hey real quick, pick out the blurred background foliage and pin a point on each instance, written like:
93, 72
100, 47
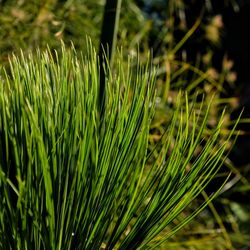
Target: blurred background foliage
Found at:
189, 41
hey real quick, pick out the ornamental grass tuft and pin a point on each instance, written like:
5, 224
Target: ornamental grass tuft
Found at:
71, 178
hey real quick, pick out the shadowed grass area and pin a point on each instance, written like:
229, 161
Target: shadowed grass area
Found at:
70, 179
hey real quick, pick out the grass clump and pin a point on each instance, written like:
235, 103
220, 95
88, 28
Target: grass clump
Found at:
71, 178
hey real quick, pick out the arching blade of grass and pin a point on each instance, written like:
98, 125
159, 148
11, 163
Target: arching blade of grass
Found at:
70, 180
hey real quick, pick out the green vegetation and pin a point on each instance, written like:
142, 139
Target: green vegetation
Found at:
129, 176
72, 180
